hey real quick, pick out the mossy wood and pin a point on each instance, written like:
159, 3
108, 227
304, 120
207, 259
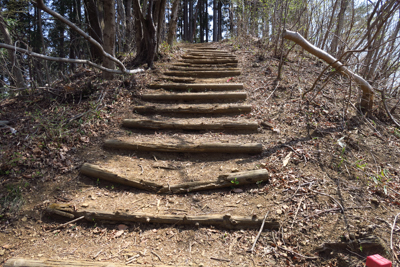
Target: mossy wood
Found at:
222, 181
195, 96
195, 109
252, 148
21, 262
226, 221
198, 87
202, 74
188, 125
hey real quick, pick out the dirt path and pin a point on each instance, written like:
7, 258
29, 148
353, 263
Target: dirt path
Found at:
190, 174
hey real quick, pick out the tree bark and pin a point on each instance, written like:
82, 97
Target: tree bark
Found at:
195, 109
95, 30
15, 70
173, 21
109, 37
215, 20
339, 27
367, 99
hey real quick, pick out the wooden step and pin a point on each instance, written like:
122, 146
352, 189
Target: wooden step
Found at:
178, 79
201, 50
202, 74
194, 87
207, 56
189, 125
197, 68
216, 66
239, 95
210, 61
252, 148
195, 109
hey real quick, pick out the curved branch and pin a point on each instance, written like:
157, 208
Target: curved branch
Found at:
68, 60
367, 99
43, 7
387, 109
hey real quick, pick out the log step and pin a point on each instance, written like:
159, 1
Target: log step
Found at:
226, 221
209, 61
21, 262
222, 181
207, 56
195, 109
189, 125
195, 96
216, 66
179, 79
195, 87
251, 148
197, 68
203, 74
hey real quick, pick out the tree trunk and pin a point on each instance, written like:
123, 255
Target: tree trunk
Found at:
147, 45
329, 25
129, 26
109, 37
15, 70
121, 29
339, 27
206, 20
215, 21
219, 37
172, 24
95, 30
185, 21
159, 18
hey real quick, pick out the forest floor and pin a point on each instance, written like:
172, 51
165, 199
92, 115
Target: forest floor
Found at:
334, 181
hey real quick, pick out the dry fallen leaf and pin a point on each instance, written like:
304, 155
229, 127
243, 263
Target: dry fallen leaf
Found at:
119, 233
287, 159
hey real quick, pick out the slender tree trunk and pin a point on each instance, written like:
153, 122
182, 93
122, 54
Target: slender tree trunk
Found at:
173, 21
95, 30
121, 26
219, 20
190, 39
15, 70
109, 36
129, 26
206, 20
185, 21
215, 21
159, 18
329, 25
339, 27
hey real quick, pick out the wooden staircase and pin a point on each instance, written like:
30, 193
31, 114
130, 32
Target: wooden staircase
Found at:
210, 104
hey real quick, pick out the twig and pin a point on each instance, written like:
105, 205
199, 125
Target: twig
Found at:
259, 233
297, 254
97, 254
141, 168
391, 232
156, 255
298, 154
277, 84
218, 259
64, 224
131, 259
334, 199
297, 211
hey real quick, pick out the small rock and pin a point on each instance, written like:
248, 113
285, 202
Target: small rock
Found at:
2, 252
119, 233
235, 170
122, 227
85, 205
40, 255
375, 201
279, 211
24, 219
237, 190
259, 206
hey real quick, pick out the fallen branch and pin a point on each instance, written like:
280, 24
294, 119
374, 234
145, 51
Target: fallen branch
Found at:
67, 60
226, 221
13, 262
298, 254
259, 233
367, 99
64, 224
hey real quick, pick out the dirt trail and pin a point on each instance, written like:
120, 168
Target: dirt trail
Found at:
198, 163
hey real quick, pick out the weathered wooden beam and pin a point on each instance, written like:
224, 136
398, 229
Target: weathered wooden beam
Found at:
210, 61
21, 262
251, 148
194, 87
97, 172
179, 79
207, 56
226, 221
216, 66
189, 125
195, 109
203, 74
202, 69
222, 181
195, 96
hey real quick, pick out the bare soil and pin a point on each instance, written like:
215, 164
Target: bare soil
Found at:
334, 187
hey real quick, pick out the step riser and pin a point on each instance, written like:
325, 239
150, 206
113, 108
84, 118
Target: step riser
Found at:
202, 74
195, 96
198, 87
194, 109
